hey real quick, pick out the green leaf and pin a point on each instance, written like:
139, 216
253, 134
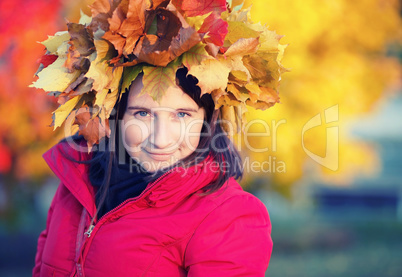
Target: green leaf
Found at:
195, 56
129, 75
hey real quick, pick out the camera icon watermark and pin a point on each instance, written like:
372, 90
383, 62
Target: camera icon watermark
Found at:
331, 158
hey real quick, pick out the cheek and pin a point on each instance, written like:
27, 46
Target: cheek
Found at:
193, 134
133, 131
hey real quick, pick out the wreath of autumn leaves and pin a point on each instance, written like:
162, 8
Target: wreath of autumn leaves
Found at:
87, 67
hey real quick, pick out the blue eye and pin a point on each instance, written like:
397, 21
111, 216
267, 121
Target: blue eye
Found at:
181, 114
141, 113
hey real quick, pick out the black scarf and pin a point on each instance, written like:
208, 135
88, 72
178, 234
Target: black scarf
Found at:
127, 180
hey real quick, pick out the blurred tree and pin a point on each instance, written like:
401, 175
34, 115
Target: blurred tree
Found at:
337, 54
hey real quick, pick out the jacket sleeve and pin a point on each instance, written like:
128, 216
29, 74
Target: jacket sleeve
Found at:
43, 236
233, 240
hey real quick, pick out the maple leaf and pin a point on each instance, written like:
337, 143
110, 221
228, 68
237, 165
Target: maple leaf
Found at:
239, 92
118, 16
92, 128
243, 47
211, 75
238, 30
81, 39
133, 27
81, 45
55, 77
101, 11
157, 80
54, 42
195, 56
129, 75
46, 60
200, 7
102, 74
64, 110
215, 28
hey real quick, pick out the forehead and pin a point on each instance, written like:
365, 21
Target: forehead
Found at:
174, 97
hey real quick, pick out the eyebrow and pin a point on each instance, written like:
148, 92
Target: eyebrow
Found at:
148, 109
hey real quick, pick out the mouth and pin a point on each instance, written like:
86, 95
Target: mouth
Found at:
160, 156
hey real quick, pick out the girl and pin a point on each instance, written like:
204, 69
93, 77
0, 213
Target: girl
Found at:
148, 186
174, 210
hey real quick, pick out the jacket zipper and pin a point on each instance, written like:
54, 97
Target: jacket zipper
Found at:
102, 219
89, 231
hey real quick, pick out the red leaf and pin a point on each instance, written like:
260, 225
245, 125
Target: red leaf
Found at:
200, 7
47, 60
215, 28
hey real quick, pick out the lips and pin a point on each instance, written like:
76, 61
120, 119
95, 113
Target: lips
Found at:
160, 156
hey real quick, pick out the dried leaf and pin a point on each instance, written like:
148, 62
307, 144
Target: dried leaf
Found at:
215, 28
118, 16
238, 30
157, 80
195, 56
81, 39
54, 42
46, 60
55, 77
240, 93
200, 7
104, 76
64, 110
91, 128
243, 47
129, 75
211, 75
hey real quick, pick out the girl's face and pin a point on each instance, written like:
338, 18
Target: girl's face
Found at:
159, 134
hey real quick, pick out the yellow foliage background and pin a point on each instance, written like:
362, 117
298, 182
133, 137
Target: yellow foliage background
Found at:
337, 54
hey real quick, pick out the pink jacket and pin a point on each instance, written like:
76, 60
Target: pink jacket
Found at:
169, 230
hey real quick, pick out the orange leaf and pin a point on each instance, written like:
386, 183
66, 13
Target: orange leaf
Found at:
91, 128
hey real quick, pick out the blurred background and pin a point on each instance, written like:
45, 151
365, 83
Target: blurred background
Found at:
329, 167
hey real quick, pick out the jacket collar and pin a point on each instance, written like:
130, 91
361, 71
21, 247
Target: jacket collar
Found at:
69, 166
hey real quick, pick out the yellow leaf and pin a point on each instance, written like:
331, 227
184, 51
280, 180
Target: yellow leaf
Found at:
196, 21
64, 110
238, 30
110, 101
85, 19
104, 76
158, 79
100, 97
211, 74
55, 77
237, 68
53, 42
241, 93
236, 3
242, 47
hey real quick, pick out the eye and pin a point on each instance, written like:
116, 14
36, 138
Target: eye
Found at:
141, 114
182, 114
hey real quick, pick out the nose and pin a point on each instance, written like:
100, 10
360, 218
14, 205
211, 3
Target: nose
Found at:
164, 134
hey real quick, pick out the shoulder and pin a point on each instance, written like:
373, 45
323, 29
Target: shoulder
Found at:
70, 148
232, 197
235, 235
68, 157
